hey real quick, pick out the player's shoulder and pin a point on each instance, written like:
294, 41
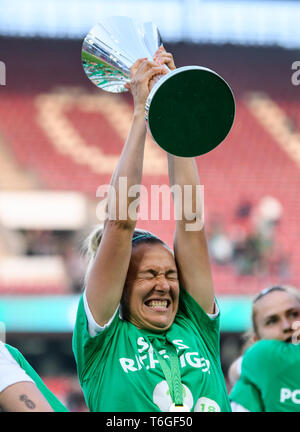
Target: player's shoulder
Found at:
4, 350
9, 352
268, 349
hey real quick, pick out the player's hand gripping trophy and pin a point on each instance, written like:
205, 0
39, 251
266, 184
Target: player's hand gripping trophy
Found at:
189, 110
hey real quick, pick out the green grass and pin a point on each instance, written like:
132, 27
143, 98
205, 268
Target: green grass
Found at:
90, 58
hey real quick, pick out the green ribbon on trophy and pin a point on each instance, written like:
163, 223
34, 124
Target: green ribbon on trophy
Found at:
189, 111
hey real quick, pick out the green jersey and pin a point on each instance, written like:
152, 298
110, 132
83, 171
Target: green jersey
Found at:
119, 370
15, 368
245, 397
270, 377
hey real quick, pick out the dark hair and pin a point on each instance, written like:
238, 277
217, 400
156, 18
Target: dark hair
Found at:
141, 236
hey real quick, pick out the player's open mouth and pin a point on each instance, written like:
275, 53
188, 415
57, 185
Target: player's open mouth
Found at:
289, 339
158, 305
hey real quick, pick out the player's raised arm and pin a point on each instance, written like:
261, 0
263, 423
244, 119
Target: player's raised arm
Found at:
190, 245
107, 276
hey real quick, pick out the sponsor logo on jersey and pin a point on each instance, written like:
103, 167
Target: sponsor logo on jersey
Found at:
146, 358
287, 394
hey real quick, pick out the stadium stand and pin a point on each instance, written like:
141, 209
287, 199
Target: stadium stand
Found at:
67, 135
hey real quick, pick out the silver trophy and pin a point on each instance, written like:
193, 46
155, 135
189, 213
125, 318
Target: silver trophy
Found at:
189, 111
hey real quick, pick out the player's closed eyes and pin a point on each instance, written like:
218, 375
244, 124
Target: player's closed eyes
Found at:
172, 275
151, 274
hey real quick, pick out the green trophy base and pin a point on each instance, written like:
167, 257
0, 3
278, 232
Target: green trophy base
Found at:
190, 111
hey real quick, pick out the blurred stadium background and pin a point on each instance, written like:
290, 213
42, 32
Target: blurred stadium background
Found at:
60, 138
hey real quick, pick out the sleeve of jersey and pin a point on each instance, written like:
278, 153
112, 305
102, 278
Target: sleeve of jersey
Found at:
10, 371
207, 325
245, 396
90, 341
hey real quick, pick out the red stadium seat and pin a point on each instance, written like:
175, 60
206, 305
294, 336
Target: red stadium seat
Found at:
248, 164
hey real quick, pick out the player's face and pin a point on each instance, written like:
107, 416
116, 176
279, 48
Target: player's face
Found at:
152, 289
277, 316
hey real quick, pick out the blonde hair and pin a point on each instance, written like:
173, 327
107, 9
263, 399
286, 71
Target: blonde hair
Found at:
92, 242
90, 247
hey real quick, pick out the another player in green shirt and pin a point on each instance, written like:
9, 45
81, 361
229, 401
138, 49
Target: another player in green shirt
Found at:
271, 370
147, 332
276, 316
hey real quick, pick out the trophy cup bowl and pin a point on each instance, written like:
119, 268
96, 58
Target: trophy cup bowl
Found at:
189, 110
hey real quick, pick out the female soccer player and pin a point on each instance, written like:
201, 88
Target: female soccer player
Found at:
21, 389
268, 366
147, 331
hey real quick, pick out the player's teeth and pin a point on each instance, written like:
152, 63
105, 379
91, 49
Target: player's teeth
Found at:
157, 303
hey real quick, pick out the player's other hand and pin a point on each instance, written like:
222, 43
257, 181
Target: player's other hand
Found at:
141, 74
163, 57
